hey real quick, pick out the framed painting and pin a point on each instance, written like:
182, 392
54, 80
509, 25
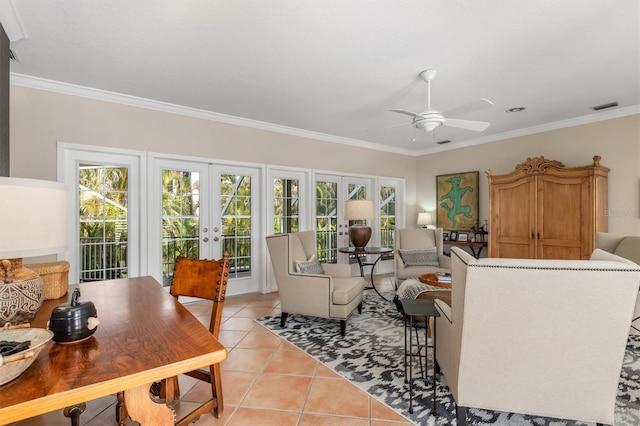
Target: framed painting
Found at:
457, 201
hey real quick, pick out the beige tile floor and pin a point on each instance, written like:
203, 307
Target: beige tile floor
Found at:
266, 380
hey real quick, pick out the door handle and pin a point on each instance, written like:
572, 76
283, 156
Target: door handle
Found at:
205, 239
215, 239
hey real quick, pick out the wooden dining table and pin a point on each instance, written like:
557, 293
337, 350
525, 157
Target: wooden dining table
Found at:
144, 335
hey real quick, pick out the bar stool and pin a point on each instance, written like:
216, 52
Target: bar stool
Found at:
413, 308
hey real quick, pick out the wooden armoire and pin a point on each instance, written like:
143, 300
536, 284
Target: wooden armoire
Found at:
544, 210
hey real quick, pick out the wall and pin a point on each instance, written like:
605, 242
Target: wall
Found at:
39, 119
617, 141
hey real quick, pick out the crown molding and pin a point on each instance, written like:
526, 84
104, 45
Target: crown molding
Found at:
571, 122
87, 92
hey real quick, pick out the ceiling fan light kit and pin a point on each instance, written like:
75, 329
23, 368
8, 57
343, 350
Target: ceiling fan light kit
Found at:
431, 119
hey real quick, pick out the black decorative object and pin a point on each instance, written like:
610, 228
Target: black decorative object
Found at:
73, 321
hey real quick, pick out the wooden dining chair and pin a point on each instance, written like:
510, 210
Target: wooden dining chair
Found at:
204, 279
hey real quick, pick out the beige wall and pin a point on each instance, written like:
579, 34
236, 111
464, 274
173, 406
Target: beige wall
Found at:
39, 119
617, 141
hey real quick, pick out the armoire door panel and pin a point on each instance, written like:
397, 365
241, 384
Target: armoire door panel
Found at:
515, 204
561, 206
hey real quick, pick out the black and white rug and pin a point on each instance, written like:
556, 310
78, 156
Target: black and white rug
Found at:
371, 357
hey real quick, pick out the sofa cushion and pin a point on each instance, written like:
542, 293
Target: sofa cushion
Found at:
420, 257
311, 266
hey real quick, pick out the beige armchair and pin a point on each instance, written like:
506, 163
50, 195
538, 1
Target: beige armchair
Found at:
629, 248
329, 293
539, 337
419, 239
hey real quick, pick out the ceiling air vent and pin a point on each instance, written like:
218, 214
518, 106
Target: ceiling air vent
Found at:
605, 106
12, 56
443, 142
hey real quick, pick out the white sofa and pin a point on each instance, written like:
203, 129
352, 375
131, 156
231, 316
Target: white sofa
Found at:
540, 337
627, 246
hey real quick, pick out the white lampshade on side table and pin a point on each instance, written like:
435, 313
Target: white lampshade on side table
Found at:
359, 210
425, 219
33, 222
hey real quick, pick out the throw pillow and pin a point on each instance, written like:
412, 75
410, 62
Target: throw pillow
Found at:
311, 266
420, 257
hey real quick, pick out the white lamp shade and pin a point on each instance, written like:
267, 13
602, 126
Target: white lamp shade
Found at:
33, 217
359, 210
425, 218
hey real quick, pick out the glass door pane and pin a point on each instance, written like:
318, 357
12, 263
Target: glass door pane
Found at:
332, 230
235, 214
327, 238
103, 193
286, 205
387, 216
236, 226
180, 218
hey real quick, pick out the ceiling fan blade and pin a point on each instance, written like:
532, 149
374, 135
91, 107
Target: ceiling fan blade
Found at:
405, 112
477, 126
397, 125
470, 107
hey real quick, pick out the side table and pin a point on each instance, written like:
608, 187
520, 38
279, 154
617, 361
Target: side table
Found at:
475, 246
381, 251
426, 309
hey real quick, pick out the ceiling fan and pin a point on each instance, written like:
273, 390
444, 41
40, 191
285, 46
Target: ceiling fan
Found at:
430, 119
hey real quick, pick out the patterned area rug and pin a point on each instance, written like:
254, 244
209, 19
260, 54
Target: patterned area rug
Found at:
370, 356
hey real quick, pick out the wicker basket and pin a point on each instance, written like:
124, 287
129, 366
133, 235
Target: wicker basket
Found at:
55, 276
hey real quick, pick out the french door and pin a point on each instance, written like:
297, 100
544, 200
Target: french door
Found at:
203, 210
332, 230
104, 212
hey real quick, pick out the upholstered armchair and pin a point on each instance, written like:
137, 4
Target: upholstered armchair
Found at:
627, 246
309, 288
419, 251
540, 337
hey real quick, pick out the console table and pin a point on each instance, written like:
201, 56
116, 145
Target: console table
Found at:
381, 251
475, 247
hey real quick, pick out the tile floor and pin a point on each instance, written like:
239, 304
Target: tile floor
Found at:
266, 380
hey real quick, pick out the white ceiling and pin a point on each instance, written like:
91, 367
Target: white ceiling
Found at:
332, 69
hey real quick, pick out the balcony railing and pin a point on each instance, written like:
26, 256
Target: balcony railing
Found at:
102, 259
106, 259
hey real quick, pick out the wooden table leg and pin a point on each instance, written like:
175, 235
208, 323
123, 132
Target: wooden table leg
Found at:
74, 412
141, 408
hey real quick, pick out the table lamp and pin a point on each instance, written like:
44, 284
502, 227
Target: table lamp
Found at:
359, 210
33, 222
425, 219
